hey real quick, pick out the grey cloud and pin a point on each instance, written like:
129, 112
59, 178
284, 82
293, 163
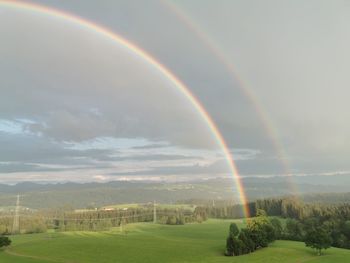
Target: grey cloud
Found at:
151, 146
301, 79
184, 53
87, 72
19, 167
32, 149
30, 153
63, 125
155, 157
217, 167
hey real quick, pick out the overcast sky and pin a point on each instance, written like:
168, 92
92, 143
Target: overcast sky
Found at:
77, 106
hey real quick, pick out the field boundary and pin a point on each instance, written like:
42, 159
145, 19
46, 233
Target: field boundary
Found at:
13, 253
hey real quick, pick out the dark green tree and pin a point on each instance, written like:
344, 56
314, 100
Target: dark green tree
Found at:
4, 241
318, 239
249, 245
277, 226
234, 246
229, 246
293, 230
234, 231
346, 228
238, 247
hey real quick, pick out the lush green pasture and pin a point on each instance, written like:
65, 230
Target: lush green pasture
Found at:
146, 242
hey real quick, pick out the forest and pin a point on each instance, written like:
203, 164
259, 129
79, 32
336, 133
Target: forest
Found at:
94, 220
303, 221
331, 220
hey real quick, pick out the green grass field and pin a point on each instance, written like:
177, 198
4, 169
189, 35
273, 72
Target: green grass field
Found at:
146, 242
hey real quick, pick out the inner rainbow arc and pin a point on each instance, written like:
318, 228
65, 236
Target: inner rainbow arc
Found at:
156, 65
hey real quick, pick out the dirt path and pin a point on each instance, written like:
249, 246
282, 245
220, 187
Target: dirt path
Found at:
12, 253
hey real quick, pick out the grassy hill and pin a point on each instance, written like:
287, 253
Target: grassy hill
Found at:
146, 242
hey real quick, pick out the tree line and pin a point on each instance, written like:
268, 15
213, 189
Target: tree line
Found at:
262, 230
330, 222
318, 225
96, 220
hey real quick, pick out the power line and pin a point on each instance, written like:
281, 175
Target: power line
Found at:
15, 227
154, 212
64, 217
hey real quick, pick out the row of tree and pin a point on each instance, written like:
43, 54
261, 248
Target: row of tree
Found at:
261, 231
332, 232
318, 225
97, 220
289, 207
225, 211
295, 208
330, 222
28, 224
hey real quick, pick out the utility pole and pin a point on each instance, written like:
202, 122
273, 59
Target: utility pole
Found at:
154, 212
15, 227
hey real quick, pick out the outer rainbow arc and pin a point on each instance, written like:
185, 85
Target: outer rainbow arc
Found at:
209, 43
258, 108
157, 65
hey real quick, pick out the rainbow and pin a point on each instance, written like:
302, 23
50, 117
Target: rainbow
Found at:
262, 114
176, 82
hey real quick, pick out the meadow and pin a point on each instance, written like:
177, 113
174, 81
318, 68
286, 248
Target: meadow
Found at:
147, 242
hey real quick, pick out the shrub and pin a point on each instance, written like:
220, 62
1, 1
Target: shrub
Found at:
4, 241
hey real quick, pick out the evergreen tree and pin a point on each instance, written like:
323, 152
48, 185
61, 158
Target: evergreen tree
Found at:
234, 231
4, 241
229, 246
248, 244
277, 226
293, 230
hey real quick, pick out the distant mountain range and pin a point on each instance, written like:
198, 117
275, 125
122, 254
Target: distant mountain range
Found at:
81, 195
